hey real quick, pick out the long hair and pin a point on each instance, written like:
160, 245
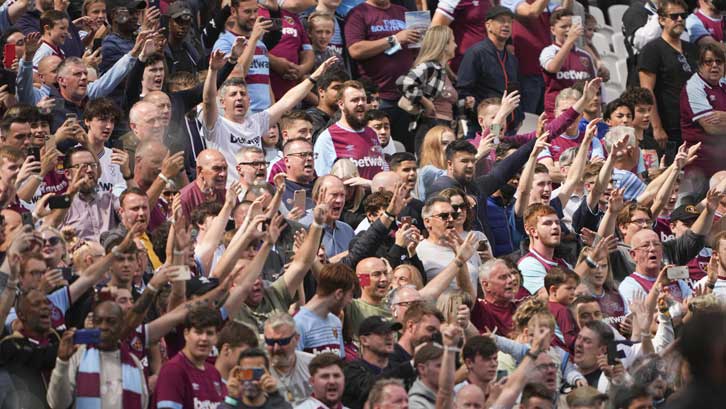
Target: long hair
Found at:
434, 44
432, 153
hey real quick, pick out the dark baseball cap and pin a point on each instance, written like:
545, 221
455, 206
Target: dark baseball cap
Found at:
685, 213
378, 325
130, 5
179, 9
497, 11
200, 285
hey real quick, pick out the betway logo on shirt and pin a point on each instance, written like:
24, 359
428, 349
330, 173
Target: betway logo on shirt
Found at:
258, 63
572, 75
289, 31
389, 25
204, 404
368, 161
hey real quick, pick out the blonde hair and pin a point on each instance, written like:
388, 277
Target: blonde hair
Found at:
434, 44
432, 152
319, 15
609, 280
414, 275
345, 169
448, 303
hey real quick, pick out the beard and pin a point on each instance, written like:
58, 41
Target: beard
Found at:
353, 120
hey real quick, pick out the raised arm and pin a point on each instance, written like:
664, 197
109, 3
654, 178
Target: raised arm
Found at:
558, 60
210, 111
452, 335
702, 225
240, 241
606, 173
304, 257
262, 26
524, 187
574, 175
136, 314
298, 92
213, 236
531, 10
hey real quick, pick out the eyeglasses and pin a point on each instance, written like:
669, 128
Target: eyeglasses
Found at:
642, 222
302, 155
91, 165
646, 246
446, 215
280, 341
261, 164
51, 241
710, 62
676, 16
544, 367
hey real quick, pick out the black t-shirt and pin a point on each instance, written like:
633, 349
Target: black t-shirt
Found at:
593, 378
672, 70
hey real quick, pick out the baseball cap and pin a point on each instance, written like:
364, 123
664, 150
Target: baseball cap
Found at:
378, 325
685, 213
585, 396
497, 11
179, 9
133, 4
200, 285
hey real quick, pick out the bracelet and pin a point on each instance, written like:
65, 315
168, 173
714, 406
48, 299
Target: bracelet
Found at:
231, 61
533, 355
36, 177
648, 335
711, 285
165, 179
179, 252
313, 80
318, 225
458, 262
389, 215
230, 401
452, 349
590, 262
151, 288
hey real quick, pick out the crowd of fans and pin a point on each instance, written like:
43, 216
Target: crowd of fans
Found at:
327, 204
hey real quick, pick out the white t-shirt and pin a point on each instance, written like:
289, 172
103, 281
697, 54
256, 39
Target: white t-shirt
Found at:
295, 386
111, 180
435, 258
228, 137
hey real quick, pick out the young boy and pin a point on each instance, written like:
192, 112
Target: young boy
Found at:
642, 102
54, 31
618, 112
381, 124
560, 285
321, 27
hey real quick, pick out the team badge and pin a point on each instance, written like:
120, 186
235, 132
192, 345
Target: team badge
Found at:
335, 332
289, 20
585, 61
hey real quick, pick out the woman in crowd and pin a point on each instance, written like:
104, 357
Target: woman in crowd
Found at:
432, 160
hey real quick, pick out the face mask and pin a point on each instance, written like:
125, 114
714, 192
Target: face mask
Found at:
507, 192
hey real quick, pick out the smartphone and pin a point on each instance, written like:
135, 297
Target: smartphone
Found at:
496, 130
677, 273
364, 280
298, 199
87, 336
265, 225
71, 116
59, 202
184, 274
406, 220
34, 152
253, 374
276, 24
8, 55
576, 21
501, 373
67, 272
97, 43
27, 219
612, 353
117, 143
483, 246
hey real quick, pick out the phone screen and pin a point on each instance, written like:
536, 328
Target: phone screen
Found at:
8, 55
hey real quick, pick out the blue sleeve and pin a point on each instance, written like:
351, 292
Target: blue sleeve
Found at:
695, 28
512, 4
25, 92
108, 82
513, 348
533, 273
5, 23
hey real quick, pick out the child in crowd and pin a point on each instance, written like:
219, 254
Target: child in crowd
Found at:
560, 285
381, 124
320, 30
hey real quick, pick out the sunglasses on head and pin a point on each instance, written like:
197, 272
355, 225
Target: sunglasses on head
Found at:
51, 241
279, 341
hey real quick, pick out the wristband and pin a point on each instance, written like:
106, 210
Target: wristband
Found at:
533, 355
389, 215
711, 285
311, 79
36, 177
151, 288
458, 262
230, 401
179, 252
167, 180
452, 349
590, 262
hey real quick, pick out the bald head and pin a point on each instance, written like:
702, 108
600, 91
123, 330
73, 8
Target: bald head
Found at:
150, 149
643, 236
47, 67
370, 264
211, 170
470, 397
162, 103
385, 181
147, 121
209, 156
140, 110
406, 294
717, 178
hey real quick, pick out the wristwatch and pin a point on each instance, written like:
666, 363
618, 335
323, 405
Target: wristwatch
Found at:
391, 41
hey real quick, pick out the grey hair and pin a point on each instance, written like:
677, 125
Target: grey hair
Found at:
617, 133
245, 150
138, 106
280, 318
65, 65
486, 269
376, 394
567, 94
232, 82
568, 156
428, 207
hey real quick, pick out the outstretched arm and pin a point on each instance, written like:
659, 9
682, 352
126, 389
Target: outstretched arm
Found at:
297, 93
209, 99
574, 175
524, 187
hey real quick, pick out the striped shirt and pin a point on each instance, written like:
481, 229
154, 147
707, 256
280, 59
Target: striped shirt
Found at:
258, 76
319, 335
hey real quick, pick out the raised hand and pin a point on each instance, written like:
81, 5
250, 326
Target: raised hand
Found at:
32, 43
172, 165
541, 124
616, 201
151, 19
233, 192
321, 214
541, 143
467, 247
591, 88
451, 334
398, 200
591, 129
217, 60
66, 347
510, 102
277, 224
324, 67
713, 198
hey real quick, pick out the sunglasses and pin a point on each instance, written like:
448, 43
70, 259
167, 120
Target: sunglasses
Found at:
52, 241
676, 16
280, 341
459, 207
446, 215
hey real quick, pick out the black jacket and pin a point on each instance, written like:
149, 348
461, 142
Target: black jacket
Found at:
29, 366
360, 377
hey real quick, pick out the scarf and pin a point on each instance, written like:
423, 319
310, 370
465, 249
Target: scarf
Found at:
88, 380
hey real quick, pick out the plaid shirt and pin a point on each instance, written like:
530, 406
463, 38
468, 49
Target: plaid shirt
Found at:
424, 80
